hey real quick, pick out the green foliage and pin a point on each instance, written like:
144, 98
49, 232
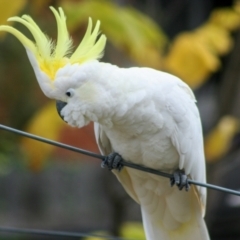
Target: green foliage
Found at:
125, 27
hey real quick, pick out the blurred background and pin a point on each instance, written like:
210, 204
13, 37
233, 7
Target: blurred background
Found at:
45, 187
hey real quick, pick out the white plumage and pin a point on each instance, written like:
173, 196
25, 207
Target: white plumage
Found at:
150, 118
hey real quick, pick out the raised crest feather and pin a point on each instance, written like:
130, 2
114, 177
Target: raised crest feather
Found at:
50, 55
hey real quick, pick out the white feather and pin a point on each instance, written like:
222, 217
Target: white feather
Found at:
149, 118
161, 130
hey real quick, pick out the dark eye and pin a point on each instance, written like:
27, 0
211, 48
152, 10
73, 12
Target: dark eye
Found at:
70, 92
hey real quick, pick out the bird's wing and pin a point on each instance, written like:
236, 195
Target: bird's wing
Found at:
186, 135
105, 147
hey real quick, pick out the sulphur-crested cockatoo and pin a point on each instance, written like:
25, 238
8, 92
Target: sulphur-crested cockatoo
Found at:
146, 116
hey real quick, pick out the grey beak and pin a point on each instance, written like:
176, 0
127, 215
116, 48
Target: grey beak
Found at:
60, 105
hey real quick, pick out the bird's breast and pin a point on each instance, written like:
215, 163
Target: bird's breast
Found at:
151, 150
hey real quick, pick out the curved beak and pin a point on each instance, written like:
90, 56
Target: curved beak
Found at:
60, 105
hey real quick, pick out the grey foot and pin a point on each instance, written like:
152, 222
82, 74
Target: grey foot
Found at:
180, 179
112, 161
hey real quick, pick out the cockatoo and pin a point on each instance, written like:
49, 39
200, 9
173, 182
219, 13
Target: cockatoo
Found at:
147, 117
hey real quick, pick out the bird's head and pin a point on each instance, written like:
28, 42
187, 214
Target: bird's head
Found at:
60, 71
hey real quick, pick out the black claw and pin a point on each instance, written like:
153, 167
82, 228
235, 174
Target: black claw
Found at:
112, 161
180, 179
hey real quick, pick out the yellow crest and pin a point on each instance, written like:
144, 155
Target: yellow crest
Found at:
52, 56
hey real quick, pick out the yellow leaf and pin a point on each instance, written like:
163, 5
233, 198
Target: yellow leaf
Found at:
9, 9
218, 141
194, 56
216, 38
226, 18
101, 235
46, 123
132, 230
128, 230
190, 60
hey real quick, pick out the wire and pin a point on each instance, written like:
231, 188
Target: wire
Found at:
124, 163
64, 234
54, 143
163, 174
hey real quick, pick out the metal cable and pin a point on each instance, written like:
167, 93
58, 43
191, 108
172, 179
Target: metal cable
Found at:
124, 163
62, 234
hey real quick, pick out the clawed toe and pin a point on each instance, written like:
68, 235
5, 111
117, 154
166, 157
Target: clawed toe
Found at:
112, 161
180, 179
